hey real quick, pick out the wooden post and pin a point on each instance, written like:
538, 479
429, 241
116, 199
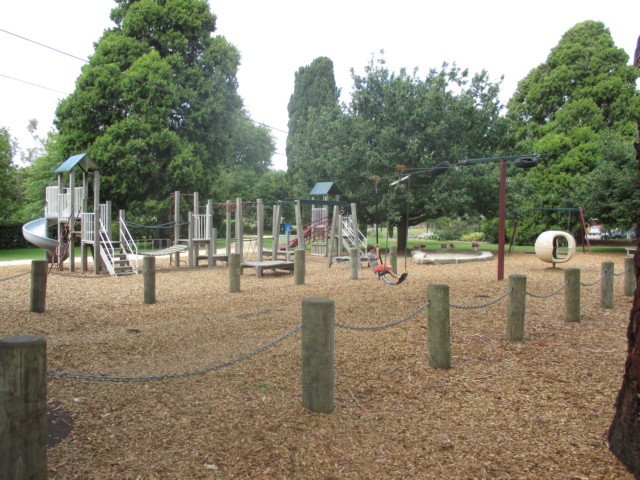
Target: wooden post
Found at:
275, 232
23, 407
211, 232
38, 291
176, 227
96, 222
606, 286
516, 308
333, 233
228, 231
235, 268
438, 326
393, 254
299, 267
239, 232
149, 279
191, 245
354, 263
572, 295
299, 226
317, 354
356, 236
629, 277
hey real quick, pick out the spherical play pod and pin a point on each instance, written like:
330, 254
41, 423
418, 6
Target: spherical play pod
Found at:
554, 246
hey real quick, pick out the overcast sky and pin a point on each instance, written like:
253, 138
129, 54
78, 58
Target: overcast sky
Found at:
505, 37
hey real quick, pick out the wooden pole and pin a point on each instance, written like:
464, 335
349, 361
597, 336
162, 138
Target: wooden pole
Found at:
228, 232
629, 277
212, 233
438, 326
606, 286
275, 232
317, 354
176, 227
149, 279
23, 407
96, 222
353, 263
572, 295
191, 245
38, 291
299, 268
235, 269
393, 255
299, 226
333, 232
516, 308
502, 207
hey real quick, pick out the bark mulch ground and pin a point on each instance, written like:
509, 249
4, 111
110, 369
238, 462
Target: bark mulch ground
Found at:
533, 409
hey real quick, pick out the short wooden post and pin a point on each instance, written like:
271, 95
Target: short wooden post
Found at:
298, 266
606, 286
353, 263
438, 326
190, 242
572, 295
23, 407
235, 268
38, 289
317, 354
629, 277
516, 308
149, 279
393, 253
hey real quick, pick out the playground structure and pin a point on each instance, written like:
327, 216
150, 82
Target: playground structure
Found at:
67, 208
548, 247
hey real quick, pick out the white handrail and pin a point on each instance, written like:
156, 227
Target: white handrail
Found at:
107, 252
201, 229
129, 244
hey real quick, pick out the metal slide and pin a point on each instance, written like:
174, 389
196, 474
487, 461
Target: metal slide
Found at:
35, 232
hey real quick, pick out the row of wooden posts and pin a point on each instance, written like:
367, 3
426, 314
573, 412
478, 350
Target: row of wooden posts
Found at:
23, 360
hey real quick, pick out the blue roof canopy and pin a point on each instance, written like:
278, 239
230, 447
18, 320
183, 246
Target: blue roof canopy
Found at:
81, 160
324, 188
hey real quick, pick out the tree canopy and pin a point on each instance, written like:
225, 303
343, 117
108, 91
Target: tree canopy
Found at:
157, 106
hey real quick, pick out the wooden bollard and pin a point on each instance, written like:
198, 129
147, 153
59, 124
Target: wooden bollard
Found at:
393, 254
516, 308
629, 277
38, 291
606, 286
23, 407
353, 263
149, 279
572, 295
317, 354
438, 326
235, 269
299, 266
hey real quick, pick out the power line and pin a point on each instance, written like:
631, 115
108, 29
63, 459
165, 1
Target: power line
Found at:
119, 72
43, 45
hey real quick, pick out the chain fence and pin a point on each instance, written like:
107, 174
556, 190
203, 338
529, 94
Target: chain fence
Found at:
17, 275
172, 376
484, 305
384, 326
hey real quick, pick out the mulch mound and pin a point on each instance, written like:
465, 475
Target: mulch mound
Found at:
533, 409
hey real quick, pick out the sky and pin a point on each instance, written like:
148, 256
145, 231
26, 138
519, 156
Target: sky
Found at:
507, 38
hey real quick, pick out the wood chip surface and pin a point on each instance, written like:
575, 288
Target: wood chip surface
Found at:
533, 409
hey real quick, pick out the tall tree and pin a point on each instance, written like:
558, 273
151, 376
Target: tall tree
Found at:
157, 105
575, 107
314, 94
8, 177
419, 123
624, 432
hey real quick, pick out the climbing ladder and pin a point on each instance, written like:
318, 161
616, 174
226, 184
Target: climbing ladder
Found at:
354, 237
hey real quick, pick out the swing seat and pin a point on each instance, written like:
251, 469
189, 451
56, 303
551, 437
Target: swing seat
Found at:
388, 281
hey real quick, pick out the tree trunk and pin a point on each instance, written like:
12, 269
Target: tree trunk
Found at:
624, 432
403, 233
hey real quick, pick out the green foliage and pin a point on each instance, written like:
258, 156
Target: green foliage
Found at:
581, 108
157, 106
9, 188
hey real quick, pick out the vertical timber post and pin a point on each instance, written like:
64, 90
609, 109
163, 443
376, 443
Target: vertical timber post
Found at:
38, 290
149, 279
516, 308
606, 287
235, 269
572, 295
353, 263
23, 407
438, 326
629, 277
317, 354
299, 268
393, 251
